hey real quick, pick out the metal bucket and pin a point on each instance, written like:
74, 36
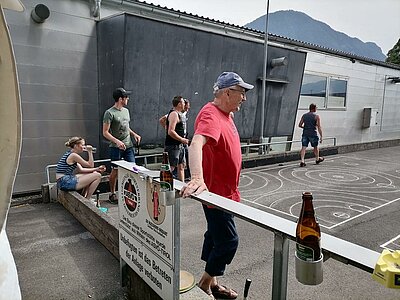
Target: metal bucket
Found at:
309, 272
167, 198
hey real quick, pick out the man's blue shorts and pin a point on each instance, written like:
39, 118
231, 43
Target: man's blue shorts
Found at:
67, 183
305, 140
117, 154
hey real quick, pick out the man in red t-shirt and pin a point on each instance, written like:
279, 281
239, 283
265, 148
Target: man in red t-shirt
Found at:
215, 164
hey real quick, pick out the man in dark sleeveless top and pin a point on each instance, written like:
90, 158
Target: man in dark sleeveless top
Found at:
310, 122
175, 137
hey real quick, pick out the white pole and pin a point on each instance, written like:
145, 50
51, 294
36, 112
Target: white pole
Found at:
264, 78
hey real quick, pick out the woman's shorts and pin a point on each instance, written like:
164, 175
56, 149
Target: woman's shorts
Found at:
67, 183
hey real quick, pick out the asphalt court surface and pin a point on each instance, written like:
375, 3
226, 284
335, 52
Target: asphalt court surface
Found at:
347, 189
58, 259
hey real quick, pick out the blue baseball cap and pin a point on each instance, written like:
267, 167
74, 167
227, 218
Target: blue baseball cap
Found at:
228, 79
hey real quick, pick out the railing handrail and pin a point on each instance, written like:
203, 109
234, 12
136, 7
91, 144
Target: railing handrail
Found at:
284, 230
48, 167
145, 157
336, 248
284, 142
265, 149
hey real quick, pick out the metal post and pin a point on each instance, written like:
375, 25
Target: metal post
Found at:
383, 101
177, 246
280, 268
264, 78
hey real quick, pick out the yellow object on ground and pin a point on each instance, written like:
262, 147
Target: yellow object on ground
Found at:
187, 281
387, 269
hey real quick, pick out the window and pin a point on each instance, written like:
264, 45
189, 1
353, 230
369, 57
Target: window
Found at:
337, 93
313, 90
324, 91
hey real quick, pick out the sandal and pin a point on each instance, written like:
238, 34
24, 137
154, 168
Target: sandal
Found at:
208, 292
113, 199
320, 160
222, 292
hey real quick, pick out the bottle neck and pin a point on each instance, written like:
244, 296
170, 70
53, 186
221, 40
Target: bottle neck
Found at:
165, 160
307, 207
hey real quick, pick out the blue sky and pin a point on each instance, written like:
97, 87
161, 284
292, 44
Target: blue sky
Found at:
368, 20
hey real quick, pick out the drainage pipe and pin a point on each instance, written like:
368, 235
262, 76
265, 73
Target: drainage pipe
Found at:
96, 10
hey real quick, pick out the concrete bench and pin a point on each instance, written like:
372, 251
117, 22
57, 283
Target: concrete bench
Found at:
50, 191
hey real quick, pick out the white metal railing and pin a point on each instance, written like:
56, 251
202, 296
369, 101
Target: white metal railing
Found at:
264, 149
285, 230
144, 157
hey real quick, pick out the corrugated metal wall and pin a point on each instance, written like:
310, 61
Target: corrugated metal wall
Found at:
57, 67
160, 60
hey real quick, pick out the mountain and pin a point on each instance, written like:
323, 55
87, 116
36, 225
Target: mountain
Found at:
299, 26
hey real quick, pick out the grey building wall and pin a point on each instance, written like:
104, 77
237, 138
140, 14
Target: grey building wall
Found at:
57, 69
158, 60
57, 64
282, 94
367, 87
58, 73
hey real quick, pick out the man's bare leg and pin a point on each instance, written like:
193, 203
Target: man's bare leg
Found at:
316, 153
303, 153
181, 172
206, 282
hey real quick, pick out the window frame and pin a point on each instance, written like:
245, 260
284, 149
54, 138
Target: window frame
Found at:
323, 102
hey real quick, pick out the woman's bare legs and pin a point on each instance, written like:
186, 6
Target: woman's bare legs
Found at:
88, 182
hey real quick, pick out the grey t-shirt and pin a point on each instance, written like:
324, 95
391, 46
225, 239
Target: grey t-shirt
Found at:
119, 125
